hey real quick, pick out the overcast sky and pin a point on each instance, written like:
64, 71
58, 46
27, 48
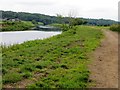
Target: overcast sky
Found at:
107, 9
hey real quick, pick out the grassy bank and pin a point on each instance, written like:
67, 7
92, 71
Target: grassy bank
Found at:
57, 62
16, 25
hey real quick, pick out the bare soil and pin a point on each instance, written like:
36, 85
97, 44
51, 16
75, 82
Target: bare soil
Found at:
104, 67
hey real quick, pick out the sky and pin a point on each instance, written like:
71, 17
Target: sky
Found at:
107, 9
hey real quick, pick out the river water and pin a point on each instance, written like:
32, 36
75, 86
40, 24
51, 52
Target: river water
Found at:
17, 37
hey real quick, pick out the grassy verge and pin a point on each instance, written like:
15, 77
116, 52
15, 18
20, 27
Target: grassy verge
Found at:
16, 25
57, 62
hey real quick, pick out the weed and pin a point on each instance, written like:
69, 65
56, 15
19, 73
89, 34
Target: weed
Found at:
60, 60
11, 78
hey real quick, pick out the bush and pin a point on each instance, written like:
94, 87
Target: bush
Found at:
115, 27
76, 21
65, 27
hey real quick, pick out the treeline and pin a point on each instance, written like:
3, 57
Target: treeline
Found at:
16, 25
46, 19
100, 22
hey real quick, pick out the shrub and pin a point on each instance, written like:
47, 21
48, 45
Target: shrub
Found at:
115, 27
65, 27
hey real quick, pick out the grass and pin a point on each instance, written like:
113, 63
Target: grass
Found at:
56, 25
57, 62
16, 25
12, 77
40, 23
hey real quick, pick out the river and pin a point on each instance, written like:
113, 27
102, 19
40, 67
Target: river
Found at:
17, 37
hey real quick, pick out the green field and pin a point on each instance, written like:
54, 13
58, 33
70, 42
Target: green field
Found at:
16, 25
57, 62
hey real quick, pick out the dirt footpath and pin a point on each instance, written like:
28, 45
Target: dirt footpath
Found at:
104, 67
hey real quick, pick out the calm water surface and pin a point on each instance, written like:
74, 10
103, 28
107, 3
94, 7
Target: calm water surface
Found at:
17, 37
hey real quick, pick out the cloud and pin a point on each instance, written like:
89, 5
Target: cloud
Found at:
41, 3
84, 8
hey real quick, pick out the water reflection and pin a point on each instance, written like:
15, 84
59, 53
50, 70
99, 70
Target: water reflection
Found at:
17, 37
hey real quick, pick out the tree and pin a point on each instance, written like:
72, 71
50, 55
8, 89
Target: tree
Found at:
60, 17
64, 27
73, 21
34, 22
76, 21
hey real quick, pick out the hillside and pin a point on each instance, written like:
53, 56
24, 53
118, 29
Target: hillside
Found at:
46, 19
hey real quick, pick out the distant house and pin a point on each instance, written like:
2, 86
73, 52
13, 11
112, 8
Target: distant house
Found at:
13, 20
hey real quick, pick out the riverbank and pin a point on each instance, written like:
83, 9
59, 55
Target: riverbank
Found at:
57, 62
16, 25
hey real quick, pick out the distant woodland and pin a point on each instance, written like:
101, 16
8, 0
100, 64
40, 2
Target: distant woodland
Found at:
46, 19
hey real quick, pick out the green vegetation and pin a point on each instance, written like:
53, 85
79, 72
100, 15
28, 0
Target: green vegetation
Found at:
100, 22
16, 25
63, 27
36, 23
115, 27
46, 19
11, 77
72, 23
56, 25
40, 23
60, 61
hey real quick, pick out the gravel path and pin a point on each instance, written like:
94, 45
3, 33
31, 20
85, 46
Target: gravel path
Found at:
104, 67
